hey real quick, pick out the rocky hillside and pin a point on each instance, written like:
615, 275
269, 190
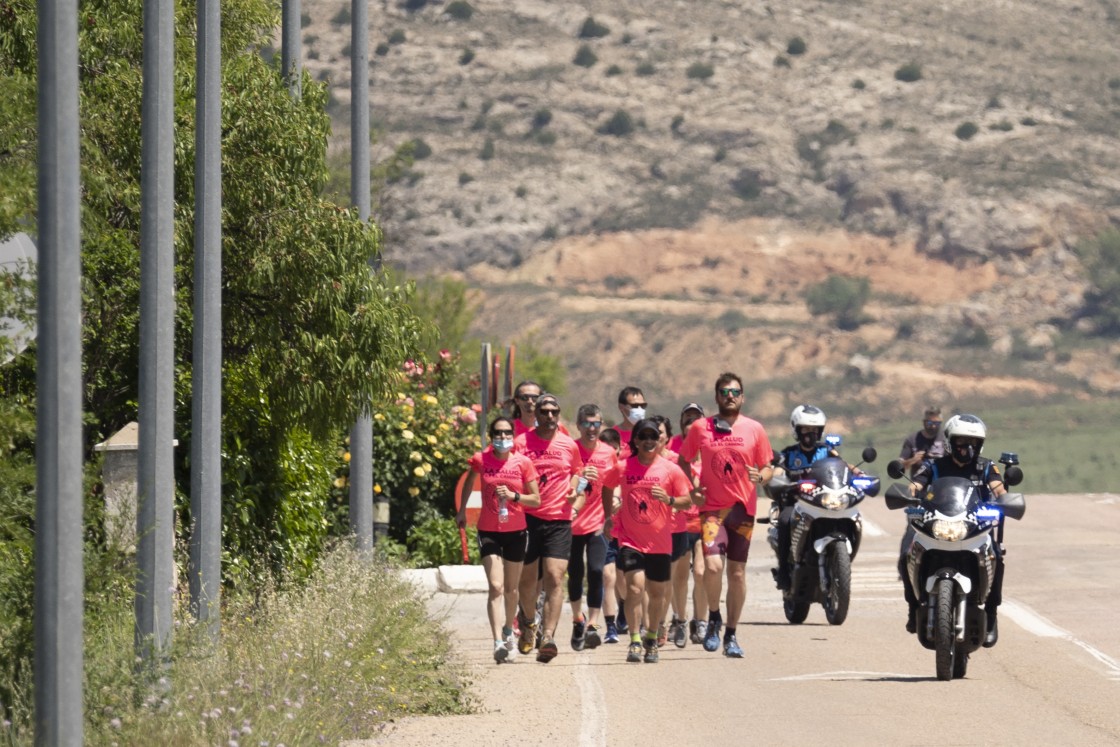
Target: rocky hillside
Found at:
651, 190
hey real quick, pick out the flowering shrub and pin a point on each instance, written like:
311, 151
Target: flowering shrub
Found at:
422, 439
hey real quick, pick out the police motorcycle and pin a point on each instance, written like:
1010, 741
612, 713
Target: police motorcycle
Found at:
951, 562
825, 532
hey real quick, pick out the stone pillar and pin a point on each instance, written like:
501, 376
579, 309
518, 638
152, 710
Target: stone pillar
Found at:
119, 476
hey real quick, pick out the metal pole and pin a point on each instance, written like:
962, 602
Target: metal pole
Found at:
291, 45
157, 328
206, 382
58, 508
361, 435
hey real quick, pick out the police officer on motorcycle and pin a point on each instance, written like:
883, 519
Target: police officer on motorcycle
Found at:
965, 435
808, 424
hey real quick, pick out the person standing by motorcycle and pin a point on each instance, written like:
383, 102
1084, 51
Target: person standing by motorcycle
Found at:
928, 442
808, 423
965, 436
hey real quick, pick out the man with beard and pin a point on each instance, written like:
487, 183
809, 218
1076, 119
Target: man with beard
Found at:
556, 458
928, 443
733, 449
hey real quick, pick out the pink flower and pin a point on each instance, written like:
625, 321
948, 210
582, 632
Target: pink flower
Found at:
476, 407
469, 416
445, 354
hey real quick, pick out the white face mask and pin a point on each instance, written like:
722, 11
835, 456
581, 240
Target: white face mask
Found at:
636, 414
503, 444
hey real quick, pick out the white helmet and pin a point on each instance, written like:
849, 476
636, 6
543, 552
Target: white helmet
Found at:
968, 426
807, 415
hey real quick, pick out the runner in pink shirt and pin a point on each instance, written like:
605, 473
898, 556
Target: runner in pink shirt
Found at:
558, 463
598, 482
698, 625
611, 600
733, 449
632, 404
508, 483
652, 487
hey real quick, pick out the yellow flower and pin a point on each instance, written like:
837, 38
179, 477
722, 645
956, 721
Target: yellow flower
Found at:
377, 488
426, 467
432, 440
444, 427
419, 472
402, 425
407, 435
378, 416
346, 457
400, 395
429, 400
340, 482
415, 456
437, 454
414, 491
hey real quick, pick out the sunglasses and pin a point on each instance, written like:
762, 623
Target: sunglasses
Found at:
528, 397
591, 424
549, 413
730, 391
647, 436
932, 423
503, 433
643, 405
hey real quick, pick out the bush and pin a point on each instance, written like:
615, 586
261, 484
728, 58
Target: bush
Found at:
645, 69
380, 50
465, 178
1004, 125
467, 56
858, 84
584, 56
592, 29
966, 130
700, 71
420, 149
1114, 83
613, 70
487, 151
1101, 258
541, 118
546, 137
675, 125
781, 61
909, 72
748, 184
620, 125
460, 10
796, 46
397, 36
840, 296
436, 542
342, 17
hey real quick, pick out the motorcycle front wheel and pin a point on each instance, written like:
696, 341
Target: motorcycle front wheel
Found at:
796, 612
944, 631
837, 596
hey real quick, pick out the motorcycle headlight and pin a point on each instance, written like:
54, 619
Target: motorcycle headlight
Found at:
949, 530
835, 500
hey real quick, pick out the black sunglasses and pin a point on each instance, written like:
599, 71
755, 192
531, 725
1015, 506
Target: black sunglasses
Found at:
528, 397
647, 436
550, 413
638, 404
730, 391
503, 433
591, 424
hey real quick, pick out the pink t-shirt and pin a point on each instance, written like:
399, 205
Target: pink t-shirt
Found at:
625, 430
692, 513
556, 460
592, 516
513, 472
725, 459
645, 523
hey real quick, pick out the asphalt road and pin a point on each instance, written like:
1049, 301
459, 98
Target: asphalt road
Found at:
1053, 678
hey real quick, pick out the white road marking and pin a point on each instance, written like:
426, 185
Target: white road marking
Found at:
1036, 624
593, 705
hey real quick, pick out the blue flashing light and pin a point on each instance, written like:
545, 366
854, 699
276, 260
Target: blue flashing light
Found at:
863, 483
987, 513
832, 439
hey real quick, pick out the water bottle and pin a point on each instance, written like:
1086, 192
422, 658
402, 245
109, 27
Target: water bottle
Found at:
503, 511
583, 485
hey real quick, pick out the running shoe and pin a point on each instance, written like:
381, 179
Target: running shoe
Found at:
731, 648
547, 651
527, 640
711, 637
634, 653
579, 632
592, 639
677, 633
612, 633
699, 631
511, 646
620, 622
662, 635
652, 655
500, 652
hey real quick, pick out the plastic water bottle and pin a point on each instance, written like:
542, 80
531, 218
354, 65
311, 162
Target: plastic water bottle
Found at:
583, 485
503, 511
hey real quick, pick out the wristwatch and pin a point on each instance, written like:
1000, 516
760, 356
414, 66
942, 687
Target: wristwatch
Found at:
516, 498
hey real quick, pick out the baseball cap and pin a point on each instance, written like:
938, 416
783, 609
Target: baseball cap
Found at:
692, 406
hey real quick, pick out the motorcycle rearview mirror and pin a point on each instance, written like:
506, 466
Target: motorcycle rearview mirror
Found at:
897, 496
1013, 505
895, 469
870, 454
1013, 476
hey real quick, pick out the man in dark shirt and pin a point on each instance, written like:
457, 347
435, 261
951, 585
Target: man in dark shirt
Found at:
926, 443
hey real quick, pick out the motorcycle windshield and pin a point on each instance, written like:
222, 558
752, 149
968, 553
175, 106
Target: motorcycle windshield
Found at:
830, 473
950, 496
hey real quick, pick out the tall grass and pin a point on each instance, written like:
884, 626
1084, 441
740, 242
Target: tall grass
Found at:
334, 658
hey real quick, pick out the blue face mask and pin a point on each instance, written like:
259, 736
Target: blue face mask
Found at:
503, 444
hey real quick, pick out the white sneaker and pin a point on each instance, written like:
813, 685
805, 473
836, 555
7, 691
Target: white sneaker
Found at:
511, 647
501, 653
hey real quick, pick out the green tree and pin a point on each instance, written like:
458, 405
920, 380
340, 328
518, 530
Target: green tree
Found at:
545, 369
1101, 258
840, 296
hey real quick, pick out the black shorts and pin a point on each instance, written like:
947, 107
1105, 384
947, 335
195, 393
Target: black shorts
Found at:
509, 545
683, 543
612, 552
658, 567
548, 539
